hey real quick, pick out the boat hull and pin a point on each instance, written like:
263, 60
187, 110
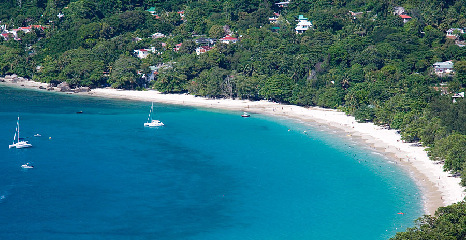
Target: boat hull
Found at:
154, 123
19, 145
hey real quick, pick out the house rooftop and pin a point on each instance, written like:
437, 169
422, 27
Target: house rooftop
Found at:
228, 38
405, 16
301, 17
447, 64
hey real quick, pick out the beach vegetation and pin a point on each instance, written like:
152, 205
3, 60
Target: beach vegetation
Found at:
447, 223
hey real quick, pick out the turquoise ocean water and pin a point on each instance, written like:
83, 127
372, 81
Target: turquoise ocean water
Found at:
204, 175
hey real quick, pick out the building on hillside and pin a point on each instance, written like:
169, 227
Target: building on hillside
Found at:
443, 69
283, 4
37, 27
6, 36
25, 29
152, 11
141, 53
205, 41
177, 47
303, 24
274, 19
158, 35
181, 13
405, 18
398, 11
202, 49
228, 39
355, 14
453, 33
457, 96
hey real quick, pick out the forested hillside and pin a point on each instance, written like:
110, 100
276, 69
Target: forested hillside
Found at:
373, 59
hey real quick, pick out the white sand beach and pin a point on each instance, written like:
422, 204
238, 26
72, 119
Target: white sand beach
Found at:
439, 187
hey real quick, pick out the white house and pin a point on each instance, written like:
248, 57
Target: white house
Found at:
303, 24
457, 96
453, 33
283, 4
443, 68
228, 39
158, 35
141, 53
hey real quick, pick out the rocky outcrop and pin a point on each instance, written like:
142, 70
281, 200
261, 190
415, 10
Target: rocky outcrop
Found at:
82, 89
64, 87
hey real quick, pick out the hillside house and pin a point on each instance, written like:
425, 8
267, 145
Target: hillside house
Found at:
152, 11
228, 39
398, 11
453, 33
355, 14
443, 69
202, 49
6, 36
177, 47
405, 18
283, 4
274, 19
181, 13
141, 53
303, 25
457, 96
205, 41
158, 35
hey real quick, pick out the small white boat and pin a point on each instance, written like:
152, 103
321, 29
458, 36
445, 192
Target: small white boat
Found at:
37, 135
151, 122
27, 165
17, 142
245, 114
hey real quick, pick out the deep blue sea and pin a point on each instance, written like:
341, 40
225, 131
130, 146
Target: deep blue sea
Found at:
206, 174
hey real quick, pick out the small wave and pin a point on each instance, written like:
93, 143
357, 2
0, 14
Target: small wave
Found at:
377, 153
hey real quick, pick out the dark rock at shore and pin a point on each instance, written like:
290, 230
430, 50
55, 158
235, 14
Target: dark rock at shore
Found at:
64, 87
81, 89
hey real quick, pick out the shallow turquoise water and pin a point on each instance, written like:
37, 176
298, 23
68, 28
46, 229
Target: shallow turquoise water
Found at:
205, 175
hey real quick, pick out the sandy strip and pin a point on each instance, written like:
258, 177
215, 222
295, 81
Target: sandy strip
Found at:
438, 187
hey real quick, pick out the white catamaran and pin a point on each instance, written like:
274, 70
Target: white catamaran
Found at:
150, 122
17, 142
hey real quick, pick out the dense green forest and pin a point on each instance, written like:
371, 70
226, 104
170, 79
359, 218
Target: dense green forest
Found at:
359, 57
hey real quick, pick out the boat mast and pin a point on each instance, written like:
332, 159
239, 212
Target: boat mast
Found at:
17, 127
151, 111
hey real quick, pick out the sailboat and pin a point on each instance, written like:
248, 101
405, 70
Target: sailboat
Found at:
150, 122
17, 142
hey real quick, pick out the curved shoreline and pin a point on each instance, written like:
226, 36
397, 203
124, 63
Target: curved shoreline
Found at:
438, 187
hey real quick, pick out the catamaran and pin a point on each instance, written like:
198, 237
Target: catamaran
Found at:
150, 122
27, 165
17, 142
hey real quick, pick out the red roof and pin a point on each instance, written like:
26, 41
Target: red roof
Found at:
143, 50
37, 26
228, 38
405, 16
178, 45
23, 28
